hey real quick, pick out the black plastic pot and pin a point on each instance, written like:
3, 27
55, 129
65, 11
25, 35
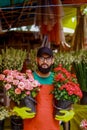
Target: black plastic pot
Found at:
16, 123
30, 102
61, 104
83, 101
2, 124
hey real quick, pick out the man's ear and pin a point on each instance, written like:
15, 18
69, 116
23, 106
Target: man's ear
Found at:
52, 60
36, 60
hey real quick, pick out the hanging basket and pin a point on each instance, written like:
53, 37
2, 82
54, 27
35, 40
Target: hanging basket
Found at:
61, 104
16, 123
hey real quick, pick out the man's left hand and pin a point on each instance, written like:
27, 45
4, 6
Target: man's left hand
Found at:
68, 115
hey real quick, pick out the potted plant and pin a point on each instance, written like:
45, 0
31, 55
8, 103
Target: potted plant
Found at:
19, 85
4, 113
66, 89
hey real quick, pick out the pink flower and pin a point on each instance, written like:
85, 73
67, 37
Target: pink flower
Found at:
35, 83
8, 86
17, 91
28, 87
15, 82
83, 124
18, 84
21, 85
7, 71
28, 93
2, 76
9, 78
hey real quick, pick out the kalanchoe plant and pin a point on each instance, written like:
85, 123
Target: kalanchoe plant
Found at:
66, 86
19, 85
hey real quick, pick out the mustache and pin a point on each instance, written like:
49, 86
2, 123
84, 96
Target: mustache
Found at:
44, 64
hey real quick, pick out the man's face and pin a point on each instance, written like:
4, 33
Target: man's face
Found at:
45, 63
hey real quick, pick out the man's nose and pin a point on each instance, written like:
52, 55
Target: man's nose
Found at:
45, 60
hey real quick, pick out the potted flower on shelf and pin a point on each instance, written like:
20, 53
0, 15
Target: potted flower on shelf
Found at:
66, 89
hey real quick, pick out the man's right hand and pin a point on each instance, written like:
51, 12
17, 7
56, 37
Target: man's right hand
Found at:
24, 112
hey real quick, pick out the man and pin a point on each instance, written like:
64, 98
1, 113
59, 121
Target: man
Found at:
44, 118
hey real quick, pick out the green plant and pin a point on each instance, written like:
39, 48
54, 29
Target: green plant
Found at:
64, 58
80, 67
32, 57
12, 59
65, 85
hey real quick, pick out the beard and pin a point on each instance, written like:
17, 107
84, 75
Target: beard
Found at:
44, 70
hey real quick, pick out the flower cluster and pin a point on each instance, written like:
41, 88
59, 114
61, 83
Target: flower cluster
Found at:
4, 113
65, 85
18, 85
83, 124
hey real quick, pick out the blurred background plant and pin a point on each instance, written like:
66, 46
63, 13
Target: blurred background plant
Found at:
64, 58
4, 112
11, 58
32, 57
80, 68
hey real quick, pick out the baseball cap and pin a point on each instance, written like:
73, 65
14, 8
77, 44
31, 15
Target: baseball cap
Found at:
44, 50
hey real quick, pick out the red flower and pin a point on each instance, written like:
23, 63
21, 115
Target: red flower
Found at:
59, 77
68, 87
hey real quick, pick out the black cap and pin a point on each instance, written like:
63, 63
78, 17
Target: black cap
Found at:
44, 50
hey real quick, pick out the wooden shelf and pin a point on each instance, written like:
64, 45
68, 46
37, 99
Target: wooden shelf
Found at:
3, 97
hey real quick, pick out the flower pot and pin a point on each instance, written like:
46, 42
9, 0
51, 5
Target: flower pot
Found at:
83, 101
30, 102
16, 123
62, 104
2, 124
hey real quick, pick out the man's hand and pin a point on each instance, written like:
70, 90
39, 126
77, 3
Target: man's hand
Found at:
68, 115
24, 112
